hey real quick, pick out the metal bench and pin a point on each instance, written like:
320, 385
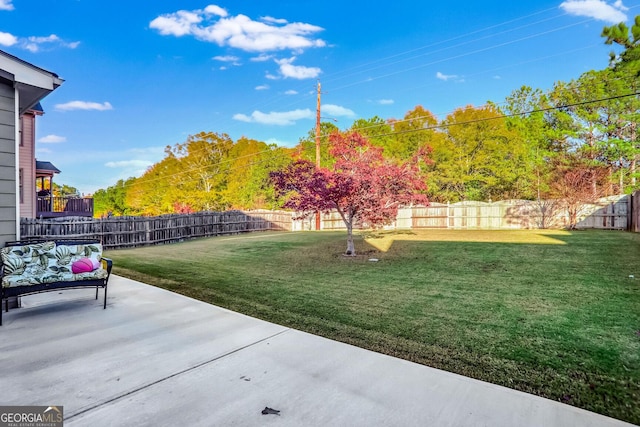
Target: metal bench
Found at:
35, 266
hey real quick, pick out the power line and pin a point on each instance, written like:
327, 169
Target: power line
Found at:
276, 99
330, 78
454, 38
337, 75
505, 116
436, 115
432, 52
434, 127
564, 53
462, 55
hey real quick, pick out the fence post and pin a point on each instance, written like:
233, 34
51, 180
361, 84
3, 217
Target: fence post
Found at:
120, 232
631, 221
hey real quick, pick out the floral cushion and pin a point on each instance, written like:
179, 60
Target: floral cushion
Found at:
47, 263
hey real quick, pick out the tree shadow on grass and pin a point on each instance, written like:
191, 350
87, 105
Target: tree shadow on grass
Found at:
557, 317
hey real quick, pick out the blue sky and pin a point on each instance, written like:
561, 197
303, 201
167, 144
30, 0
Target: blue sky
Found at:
140, 76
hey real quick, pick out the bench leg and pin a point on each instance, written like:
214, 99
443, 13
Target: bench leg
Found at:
105, 297
6, 301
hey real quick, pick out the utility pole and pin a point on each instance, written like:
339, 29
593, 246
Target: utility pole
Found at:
318, 128
318, 146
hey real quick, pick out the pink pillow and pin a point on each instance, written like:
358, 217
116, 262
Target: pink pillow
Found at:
84, 265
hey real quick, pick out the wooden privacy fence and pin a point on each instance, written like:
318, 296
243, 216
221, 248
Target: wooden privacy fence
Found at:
122, 232
612, 213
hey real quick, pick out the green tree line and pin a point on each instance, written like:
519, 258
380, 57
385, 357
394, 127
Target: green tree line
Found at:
578, 140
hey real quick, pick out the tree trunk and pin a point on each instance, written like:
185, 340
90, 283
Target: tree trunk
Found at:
632, 168
573, 216
348, 219
621, 178
351, 249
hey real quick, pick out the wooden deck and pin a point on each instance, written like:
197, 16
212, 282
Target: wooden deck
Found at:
52, 207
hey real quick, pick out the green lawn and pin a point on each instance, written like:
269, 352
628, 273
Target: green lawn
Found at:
553, 313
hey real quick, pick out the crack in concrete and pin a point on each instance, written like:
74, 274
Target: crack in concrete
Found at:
168, 377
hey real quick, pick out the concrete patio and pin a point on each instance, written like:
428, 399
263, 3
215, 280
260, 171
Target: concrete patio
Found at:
157, 358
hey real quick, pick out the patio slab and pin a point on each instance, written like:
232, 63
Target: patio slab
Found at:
154, 357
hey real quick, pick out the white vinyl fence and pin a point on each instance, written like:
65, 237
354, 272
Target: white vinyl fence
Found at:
611, 213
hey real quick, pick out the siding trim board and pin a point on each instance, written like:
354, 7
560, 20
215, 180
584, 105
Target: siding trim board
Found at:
33, 83
22, 85
9, 222
16, 142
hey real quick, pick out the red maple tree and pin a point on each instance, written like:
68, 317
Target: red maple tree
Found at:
578, 182
361, 185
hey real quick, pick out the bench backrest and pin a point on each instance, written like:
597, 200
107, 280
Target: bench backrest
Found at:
35, 262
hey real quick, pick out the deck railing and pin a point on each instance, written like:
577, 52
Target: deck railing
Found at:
51, 207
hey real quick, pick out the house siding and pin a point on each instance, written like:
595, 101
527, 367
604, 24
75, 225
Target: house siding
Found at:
28, 166
6, 131
7, 166
6, 116
7, 163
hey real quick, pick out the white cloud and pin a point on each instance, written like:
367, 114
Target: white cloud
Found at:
35, 43
280, 143
385, 101
47, 39
336, 110
125, 164
212, 9
84, 105
176, 24
129, 168
129, 164
271, 76
52, 139
262, 87
132, 162
226, 58
7, 39
154, 150
291, 92
273, 20
276, 118
213, 24
234, 60
261, 58
597, 9
618, 4
6, 5
287, 69
445, 77
242, 118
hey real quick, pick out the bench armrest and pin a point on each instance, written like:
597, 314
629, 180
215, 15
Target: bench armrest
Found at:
107, 264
